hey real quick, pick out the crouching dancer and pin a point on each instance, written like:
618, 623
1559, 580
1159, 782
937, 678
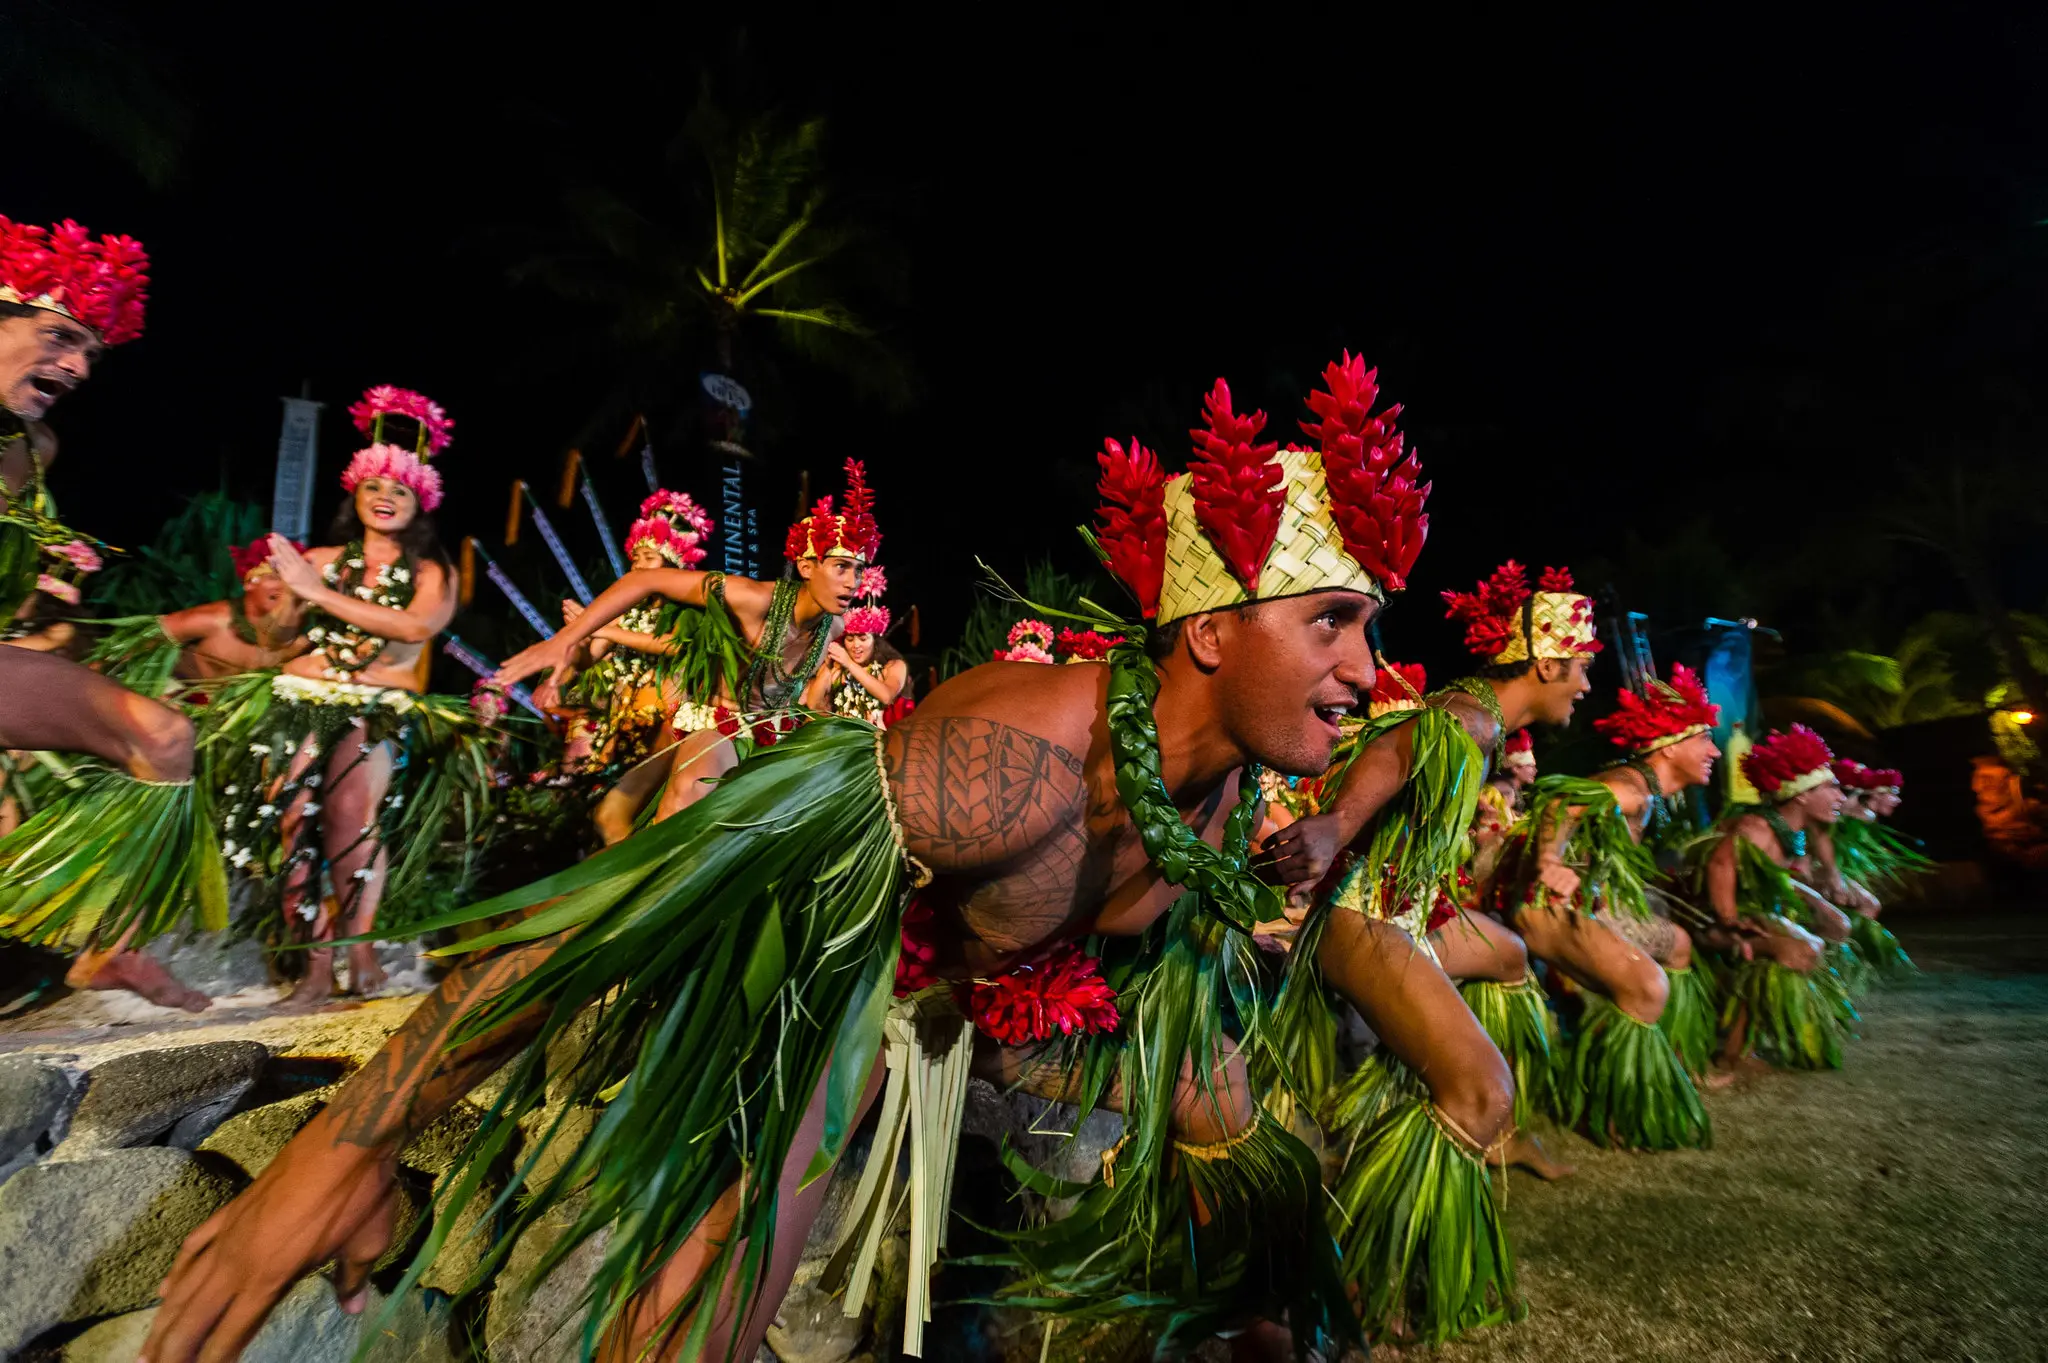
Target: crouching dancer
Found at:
749, 946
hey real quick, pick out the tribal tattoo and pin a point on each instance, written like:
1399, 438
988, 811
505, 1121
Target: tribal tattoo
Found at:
416, 1077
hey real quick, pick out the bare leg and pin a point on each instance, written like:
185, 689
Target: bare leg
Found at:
355, 788
622, 804
1474, 946
53, 703
117, 967
699, 760
1415, 1010
635, 1339
1596, 956
302, 886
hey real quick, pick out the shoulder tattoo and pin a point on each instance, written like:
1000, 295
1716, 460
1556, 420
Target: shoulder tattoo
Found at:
975, 792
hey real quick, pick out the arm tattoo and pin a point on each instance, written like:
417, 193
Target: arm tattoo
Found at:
415, 1077
973, 793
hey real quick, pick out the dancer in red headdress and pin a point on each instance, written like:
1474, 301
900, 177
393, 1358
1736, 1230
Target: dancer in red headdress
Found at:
120, 857
1869, 860
1786, 1002
753, 666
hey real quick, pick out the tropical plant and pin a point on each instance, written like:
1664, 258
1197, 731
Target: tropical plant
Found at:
740, 240
188, 563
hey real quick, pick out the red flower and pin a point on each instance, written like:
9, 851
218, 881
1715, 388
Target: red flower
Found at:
1085, 644
1639, 721
1555, 580
1374, 497
1778, 759
1399, 684
1491, 613
1131, 524
1237, 486
914, 963
1061, 995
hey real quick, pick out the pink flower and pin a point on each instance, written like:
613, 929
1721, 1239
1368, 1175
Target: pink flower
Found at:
57, 587
872, 583
78, 554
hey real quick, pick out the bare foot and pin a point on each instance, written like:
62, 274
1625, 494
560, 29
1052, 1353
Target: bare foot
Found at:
316, 988
139, 974
1717, 1078
365, 971
1526, 1152
1748, 1063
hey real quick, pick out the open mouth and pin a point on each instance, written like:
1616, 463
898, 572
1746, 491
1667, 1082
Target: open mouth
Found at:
50, 386
384, 510
1334, 715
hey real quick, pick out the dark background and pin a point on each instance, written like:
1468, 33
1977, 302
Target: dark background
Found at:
1669, 298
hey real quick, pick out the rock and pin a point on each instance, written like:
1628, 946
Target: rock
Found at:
252, 1139
92, 1236
435, 1150
133, 1099
532, 1322
306, 1327
217, 964
34, 1100
810, 1327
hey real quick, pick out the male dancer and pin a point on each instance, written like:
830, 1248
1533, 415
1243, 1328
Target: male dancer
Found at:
1868, 857
117, 861
1785, 1002
1629, 1081
1042, 808
754, 659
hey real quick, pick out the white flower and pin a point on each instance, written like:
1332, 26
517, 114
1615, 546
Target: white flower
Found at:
312, 780
310, 809
366, 875
260, 749
365, 593
240, 858
227, 847
355, 563
309, 910
231, 790
395, 801
265, 811
316, 634
400, 575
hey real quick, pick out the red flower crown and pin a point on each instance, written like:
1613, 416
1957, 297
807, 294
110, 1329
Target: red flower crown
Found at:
1668, 712
1783, 765
851, 533
1853, 775
102, 283
1397, 686
1521, 743
1085, 645
1239, 489
256, 554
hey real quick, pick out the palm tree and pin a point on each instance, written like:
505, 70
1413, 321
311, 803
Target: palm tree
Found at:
740, 245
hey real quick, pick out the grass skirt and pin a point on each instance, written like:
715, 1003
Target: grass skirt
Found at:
1629, 1085
113, 853
1879, 949
1799, 1021
1518, 1019
1690, 1016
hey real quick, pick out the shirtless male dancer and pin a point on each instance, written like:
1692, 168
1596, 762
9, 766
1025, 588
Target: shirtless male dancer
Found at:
1005, 782
65, 297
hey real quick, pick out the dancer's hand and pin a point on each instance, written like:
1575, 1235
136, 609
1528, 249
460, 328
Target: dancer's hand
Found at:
294, 569
836, 652
1560, 879
549, 655
321, 1200
1303, 852
570, 610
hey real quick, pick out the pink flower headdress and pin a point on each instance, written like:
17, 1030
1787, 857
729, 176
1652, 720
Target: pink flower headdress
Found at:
382, 460
675, 525
871, 616
101, 283
1030, 642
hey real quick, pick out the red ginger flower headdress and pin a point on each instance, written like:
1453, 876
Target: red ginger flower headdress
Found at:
850, 533
1085, 645
1852, 775
101, 283
254, 558
383, 460
675, 525
1505, 622
1669, 713
1788, 764
1884, 778
1251, 521
1376, 492
1397, 686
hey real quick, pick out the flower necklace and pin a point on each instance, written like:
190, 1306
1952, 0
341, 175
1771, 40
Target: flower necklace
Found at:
347, 648
766, 677
629, 668
1482, 691
1221, 876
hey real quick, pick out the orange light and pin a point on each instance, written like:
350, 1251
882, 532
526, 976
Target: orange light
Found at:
2023, 716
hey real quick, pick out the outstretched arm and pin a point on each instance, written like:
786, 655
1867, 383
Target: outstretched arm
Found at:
556, 656
327, 1195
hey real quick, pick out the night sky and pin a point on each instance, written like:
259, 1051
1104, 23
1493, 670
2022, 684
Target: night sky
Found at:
1709, 278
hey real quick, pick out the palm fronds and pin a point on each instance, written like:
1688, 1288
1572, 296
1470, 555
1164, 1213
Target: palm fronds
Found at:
1518, 1019
137, 653
1629, 1085
1690, 1016
1875, 943
1798, 1020
188, 563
